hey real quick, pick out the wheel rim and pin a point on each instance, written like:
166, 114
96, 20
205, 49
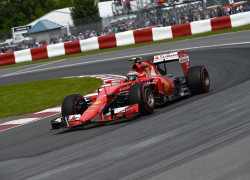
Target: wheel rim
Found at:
149, 98
206, 79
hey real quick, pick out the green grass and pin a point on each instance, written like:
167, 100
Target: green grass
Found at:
241, 28
24, 98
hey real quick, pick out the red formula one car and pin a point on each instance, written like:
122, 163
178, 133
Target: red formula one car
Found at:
145, 87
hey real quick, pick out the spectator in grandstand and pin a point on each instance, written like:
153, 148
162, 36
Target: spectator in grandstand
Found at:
43, 43
160, 22
165, 22
190, 16
215, 12
195, 16
109, 30
220, 12
86, 34
122, 28
60, 39
228, 11
206, 14
245, 7
240, 8
114, 30
73, 38
80, 36
182, 18
135, 24
172, 21
130, 26
248, 7
4, 50
106, 31
36, 44
147, 23
92, 34
23, 46
202, 14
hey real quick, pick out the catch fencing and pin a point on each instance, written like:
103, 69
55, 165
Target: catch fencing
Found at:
125, 38
143, 14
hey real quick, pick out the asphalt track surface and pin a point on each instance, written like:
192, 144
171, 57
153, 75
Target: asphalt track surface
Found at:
201, 137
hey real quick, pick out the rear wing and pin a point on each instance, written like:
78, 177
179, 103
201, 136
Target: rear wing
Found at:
180, 56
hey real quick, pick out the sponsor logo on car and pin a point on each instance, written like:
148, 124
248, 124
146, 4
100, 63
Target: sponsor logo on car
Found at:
130, 108
124, 88
90, 110
166, 86
97, 102
184, 59
74, 117
166, 57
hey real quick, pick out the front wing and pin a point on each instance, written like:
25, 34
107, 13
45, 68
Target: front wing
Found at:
74, 120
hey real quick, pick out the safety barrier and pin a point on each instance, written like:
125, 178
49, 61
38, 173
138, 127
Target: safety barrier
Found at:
126, 38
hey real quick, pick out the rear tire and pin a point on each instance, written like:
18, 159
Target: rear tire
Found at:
69, 105
198, 80
142, 95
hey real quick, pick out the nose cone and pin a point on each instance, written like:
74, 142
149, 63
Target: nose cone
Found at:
94, 111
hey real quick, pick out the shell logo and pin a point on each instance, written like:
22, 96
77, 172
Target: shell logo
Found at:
166, 86
97, 102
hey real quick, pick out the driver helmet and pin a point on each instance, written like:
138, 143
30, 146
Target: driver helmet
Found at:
132, 76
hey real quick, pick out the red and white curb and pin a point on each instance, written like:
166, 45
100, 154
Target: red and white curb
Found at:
115, 79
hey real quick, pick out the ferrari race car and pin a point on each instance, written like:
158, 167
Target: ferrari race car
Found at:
145, 87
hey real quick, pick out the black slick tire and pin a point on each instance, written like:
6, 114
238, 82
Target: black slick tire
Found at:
198, 80
142, 95
68, 105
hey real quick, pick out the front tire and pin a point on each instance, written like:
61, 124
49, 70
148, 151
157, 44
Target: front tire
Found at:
69, 105
198, 80
142, 95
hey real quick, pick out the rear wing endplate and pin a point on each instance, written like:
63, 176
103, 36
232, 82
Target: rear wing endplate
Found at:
180, 56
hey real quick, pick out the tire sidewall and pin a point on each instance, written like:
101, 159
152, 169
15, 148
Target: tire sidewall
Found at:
204, 72
68, 105
137, 96
196, 77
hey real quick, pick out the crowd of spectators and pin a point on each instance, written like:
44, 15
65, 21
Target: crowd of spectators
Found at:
167, 19
197, 15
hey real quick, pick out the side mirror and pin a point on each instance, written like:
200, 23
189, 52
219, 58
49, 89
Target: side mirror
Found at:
109, 81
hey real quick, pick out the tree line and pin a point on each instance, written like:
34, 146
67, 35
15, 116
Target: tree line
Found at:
15, 13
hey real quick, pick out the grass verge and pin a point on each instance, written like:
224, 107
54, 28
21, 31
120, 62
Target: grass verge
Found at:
24, 98
241, 28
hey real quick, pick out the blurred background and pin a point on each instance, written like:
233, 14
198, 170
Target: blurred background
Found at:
26, 24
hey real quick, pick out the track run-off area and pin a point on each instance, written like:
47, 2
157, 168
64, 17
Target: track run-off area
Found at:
205, 136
